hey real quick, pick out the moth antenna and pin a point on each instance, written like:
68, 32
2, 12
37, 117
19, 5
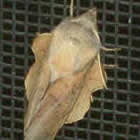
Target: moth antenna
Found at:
71, 8
110, 50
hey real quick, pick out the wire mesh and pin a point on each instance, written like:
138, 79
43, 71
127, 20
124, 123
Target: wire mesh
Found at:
115, 112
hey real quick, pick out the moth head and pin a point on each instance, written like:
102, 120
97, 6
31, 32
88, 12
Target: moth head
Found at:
90, 15
88, 19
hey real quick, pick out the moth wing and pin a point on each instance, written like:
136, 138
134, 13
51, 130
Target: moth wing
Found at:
93, 82
37, 79
40, 48
55, 107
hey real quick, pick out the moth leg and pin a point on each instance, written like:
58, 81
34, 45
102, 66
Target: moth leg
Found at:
110, 65
110, 50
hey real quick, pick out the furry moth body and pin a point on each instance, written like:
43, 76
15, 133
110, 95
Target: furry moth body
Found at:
67, 70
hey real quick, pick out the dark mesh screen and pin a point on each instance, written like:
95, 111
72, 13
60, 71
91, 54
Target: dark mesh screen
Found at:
115, 112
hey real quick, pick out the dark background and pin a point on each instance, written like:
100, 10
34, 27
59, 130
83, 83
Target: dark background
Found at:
115, 112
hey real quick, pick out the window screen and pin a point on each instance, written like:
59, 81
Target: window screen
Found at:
115, 112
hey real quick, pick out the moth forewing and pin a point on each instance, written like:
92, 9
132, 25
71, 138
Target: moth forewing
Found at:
37, 78
95, 80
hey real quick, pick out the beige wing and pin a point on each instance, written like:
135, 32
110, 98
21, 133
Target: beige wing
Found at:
55, 107
40, 48
37, 78
94, 81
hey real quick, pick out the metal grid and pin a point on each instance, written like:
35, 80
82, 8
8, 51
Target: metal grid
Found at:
115, 113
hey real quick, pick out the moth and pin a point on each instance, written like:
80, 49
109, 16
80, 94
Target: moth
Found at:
67, 70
